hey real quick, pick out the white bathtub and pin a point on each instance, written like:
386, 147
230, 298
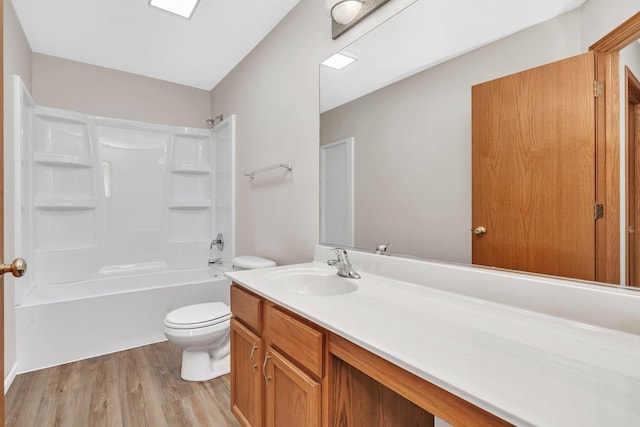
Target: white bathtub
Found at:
62, 323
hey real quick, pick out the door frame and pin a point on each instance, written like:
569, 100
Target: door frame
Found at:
2, 203
350, 160
607, 59
632, 104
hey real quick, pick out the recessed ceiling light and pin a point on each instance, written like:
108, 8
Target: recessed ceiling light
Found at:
182, 8
339, 60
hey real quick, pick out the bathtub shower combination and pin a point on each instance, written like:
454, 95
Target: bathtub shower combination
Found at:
115, 218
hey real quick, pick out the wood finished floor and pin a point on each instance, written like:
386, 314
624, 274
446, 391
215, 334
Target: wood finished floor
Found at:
137, 387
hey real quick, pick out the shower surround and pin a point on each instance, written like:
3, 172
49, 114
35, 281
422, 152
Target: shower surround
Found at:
107, 207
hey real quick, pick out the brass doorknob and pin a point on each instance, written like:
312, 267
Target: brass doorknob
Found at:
480, 231
18, 267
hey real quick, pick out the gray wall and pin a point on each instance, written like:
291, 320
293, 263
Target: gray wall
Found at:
413, 143
17, 60
102, 91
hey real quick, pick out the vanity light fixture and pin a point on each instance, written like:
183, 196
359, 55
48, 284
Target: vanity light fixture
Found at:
347, 13
182, 8
339, 60
344, 11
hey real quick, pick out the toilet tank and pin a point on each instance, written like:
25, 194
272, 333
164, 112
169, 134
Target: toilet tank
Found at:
249, 262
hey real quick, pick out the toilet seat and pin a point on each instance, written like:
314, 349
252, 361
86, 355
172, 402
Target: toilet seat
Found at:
198, 316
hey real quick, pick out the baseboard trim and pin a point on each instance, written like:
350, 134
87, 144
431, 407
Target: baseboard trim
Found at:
8, 380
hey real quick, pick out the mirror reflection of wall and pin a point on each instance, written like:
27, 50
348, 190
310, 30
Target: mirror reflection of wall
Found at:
413, 141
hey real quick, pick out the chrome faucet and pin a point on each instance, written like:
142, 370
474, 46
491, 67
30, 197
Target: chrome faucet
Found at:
343, 265
382, 249
218, 242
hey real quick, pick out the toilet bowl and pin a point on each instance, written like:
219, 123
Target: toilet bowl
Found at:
202, 331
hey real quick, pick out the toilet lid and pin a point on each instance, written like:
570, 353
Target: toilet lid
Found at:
198, 315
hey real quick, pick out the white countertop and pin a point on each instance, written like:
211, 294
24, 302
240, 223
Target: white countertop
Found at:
526, 367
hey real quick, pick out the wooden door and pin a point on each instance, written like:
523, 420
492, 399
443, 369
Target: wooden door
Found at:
246, 375
293, 398
533, 170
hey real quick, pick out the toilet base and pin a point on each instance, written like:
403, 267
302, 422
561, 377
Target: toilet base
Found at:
199, 366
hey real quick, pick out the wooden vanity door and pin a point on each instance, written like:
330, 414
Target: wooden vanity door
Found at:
533, 170
293, 398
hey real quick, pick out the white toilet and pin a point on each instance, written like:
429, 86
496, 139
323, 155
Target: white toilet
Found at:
202, 331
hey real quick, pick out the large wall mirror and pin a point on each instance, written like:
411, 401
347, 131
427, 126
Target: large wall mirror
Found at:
395, 124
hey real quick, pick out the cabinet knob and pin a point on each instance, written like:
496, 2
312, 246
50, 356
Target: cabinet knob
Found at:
18, 267
480, 231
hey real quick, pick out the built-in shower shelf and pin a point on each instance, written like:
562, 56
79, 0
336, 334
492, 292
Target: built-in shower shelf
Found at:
191, 168
64, 203
189, 204
64, 249
61, 159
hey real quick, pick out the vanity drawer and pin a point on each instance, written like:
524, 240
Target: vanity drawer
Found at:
301, 342
247, 308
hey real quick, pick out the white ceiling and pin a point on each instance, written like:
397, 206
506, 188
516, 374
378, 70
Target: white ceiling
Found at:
427, 33
129, 35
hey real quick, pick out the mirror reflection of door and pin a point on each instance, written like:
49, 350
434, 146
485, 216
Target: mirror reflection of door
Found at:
633, 178
336, 193
533, 170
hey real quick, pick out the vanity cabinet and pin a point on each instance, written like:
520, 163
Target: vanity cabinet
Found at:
293, 398
289, 372
277, 365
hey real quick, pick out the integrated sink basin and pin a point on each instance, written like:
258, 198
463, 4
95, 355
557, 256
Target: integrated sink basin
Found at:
314, 281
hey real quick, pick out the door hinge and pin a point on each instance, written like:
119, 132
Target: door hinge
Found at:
598, 211
598, 89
